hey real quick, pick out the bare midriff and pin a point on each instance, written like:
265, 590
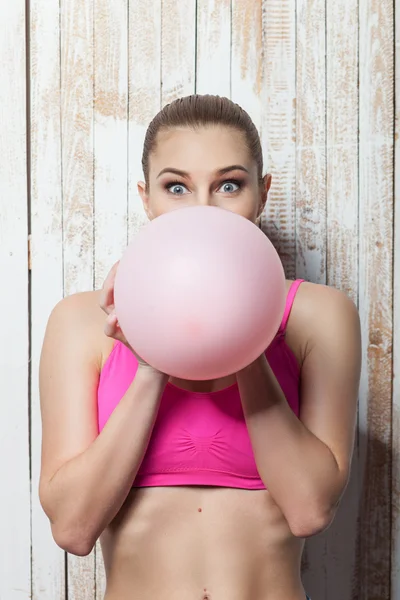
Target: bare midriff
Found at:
196, 543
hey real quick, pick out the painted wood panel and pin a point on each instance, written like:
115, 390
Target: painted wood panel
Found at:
110, 156
110, 133
278, 126
395, 560
213, 58
15, 568
375, 292
246, 70
178, 49
144, 73
77, 144
98, 73
48, 561
311, 205
342, 197
311, 141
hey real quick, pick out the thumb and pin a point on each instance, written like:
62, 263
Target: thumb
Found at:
111, 325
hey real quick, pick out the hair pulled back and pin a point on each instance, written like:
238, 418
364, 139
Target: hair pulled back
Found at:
200, 111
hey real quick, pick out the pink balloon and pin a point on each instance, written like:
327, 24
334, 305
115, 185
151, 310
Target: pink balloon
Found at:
200, 293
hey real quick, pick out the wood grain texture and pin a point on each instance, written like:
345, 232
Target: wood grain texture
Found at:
247, 57
395, 500
110, 154
311, 141
144, 93
278, 126
48, 561
178, 49
100, 71
213, 64
342, 247
15, 571
77, 80
110, 133
375, 292
342, 145
310, 231
77, 99
101, 582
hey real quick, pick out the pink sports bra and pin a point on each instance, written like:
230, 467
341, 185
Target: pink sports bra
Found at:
199, 438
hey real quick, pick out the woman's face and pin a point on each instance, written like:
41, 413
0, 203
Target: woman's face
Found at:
207, 167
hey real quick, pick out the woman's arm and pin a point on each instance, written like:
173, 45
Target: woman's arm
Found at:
305, 463
85, 477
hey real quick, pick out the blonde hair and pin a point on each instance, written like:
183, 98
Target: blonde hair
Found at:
202, 110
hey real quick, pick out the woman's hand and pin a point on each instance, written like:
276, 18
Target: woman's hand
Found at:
111, 327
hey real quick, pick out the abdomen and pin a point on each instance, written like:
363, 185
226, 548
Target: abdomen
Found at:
194, 542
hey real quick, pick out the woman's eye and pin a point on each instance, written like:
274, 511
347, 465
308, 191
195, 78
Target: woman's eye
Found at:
178, 189
229, 187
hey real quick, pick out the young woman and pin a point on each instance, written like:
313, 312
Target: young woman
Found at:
199, 490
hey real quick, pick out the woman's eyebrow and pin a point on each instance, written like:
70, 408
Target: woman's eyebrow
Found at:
172, 170
232, 168
219, 172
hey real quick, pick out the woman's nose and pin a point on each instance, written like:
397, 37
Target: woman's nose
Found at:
205, 198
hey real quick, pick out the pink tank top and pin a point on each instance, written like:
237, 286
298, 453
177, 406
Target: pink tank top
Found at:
199, 438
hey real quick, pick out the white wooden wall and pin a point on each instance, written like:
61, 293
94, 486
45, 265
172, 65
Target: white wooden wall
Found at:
79, 82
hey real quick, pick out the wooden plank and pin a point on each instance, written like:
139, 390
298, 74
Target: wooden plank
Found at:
77, 67
395, 562
375, 292
48, 561
342, 145
247, 64
213, 64
342, 247
111, 153
311, 198
278, 126
311, 141
77, 54
144, 94
110, 133
100, 586
178, 49
15, 575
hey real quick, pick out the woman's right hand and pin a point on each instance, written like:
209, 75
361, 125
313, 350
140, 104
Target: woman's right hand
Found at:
111, 327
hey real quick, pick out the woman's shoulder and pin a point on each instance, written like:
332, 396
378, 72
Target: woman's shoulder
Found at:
81, 313
82, 306
318, 311
318, 300
321, 309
